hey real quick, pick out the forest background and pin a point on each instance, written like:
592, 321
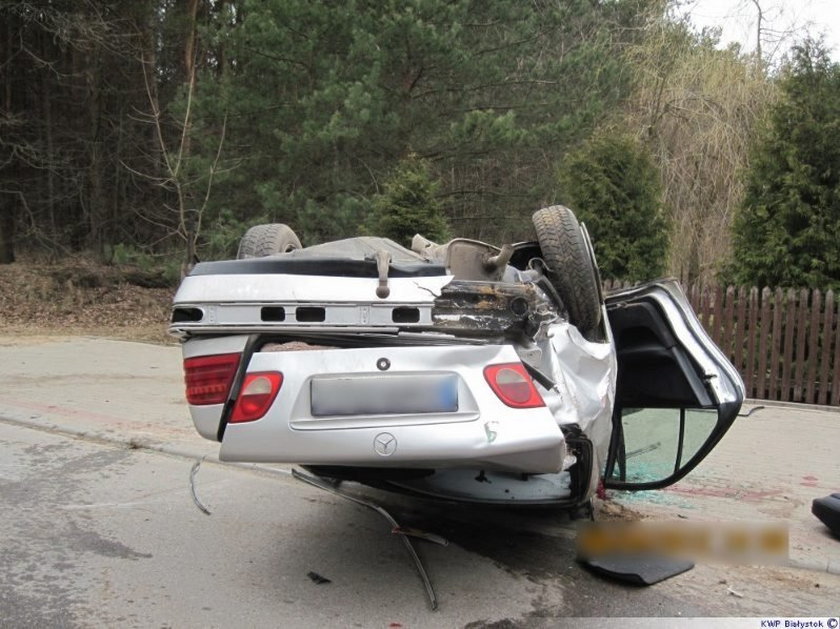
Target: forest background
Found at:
156, 132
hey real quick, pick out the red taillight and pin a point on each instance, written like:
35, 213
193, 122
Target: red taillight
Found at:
209, 378
256, 396
512, 384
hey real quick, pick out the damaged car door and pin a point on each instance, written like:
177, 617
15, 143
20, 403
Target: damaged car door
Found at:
676, 392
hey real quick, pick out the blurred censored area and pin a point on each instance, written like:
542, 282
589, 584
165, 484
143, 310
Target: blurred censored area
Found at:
737, 542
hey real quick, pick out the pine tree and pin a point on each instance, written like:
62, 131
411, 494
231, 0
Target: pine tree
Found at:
787, 230
409, 206
613, 186
321, 100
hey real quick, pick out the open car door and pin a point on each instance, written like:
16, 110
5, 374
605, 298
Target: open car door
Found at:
676, 392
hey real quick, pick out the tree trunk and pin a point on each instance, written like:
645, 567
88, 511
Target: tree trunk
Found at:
7, 229
7, 201
46, 106
189, 65
149, 60
96, 196
189, 42
188, 215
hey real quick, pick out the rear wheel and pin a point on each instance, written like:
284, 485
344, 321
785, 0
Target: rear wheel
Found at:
266, 240
571, 267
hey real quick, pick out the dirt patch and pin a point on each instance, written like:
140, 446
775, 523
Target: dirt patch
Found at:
611, 510
80, 297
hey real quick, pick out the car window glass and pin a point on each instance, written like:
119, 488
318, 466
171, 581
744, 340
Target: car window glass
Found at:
650, 442
699, 424
655, 443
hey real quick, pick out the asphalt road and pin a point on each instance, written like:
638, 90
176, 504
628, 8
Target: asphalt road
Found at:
99, 528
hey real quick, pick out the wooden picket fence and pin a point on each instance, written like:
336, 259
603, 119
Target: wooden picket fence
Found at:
784, 342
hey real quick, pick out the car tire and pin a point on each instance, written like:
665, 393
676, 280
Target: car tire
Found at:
267, 240
571, 267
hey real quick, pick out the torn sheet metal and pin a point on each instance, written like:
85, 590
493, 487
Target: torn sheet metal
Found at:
490, 308
585, 375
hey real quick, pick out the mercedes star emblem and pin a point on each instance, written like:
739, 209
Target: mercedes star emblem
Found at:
385, 444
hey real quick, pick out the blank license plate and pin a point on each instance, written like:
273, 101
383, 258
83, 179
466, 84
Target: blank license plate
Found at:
384, 395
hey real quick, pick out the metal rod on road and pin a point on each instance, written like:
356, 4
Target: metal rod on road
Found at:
321, 484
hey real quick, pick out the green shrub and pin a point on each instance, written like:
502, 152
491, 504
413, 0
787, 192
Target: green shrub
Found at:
613, 187
787, 228
408, 206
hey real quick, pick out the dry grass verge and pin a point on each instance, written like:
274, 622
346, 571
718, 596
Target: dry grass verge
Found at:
80, 297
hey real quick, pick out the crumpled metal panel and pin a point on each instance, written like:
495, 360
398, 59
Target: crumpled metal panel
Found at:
585, 376
489, 308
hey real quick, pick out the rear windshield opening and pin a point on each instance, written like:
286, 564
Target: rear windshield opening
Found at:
187, 315
405, 315
273, 313
311, 314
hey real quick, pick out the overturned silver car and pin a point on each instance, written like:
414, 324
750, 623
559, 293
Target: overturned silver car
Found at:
462, 370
